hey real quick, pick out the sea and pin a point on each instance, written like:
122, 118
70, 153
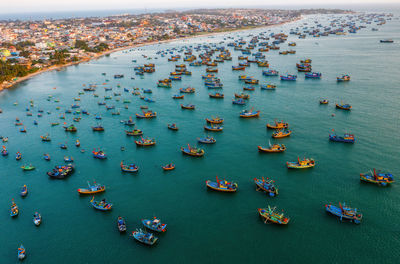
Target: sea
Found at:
204, 226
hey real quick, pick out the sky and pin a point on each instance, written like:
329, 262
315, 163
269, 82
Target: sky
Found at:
21, 6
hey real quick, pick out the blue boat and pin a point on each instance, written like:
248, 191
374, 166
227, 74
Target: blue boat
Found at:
347, 138
288, 77
377, 177
14, 211
144, 237
24, 191
4, 151
207, 140
313, 75
154, 225
267, 186
344, 212
270, 73
21, 252
102, 205
239, 101
99, 154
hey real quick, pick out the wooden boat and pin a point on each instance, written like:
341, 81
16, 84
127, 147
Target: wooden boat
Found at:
45, 138
278, 125
239, 101
306, 61
77, 143
347, 138
268, 87
249, 114
344, 212
211, 70
281, 133
313, 75
343, 106
249, 88
238, 68
128, 122
242, 96
275, 148
266, 186
216, 120
270, 73
68, 159
289, 77
27, 167
98, 128
301, 164
169, 167
188, 106
129, 167
270, 216
213, 127
377, 177
216, 95
99, 154
192, 151
323, 101
222, 186
343, 78
14, 211
61, 171
102, 205
37, 219
18, 156
251, 81
21, 252
148, 114
178, 96
24, 191
70, 128
144, 237
121, 224
4, 151
145, 142
134, 132
187, 90
172, 126
154, 224
207, 140
92, 189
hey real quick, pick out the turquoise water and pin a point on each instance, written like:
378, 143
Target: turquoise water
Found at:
205, 226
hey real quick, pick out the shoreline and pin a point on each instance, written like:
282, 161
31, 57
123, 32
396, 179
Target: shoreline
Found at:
11, 84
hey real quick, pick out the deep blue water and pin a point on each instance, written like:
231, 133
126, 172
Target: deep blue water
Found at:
205, 226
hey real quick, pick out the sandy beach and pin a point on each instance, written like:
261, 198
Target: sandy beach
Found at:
7, 85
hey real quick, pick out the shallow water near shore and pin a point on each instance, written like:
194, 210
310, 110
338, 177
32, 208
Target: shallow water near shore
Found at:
206, 226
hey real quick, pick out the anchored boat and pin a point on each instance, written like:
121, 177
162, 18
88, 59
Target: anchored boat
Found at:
301, 164
92, 189
344, 212
154, 225
377, 177
270, 216
222, 186
267, 186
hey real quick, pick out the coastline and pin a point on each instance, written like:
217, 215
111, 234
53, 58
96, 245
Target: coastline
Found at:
11, 84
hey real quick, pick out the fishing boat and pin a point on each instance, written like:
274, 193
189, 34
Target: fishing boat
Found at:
267, 186
61, 171
239, 101
99, 154
278, 125
4, 151
213, 127
102, 205
21, 252
238, 68
145, 142
251, 81
27, 167
270, 216
144, 237
301, 164
187, 90
306, 61
377, 177
37, 219
249, 88
188, 106
70, 128
169, 167
343, 78
344, 212
215, 120
134, 132
154, 224
268, 87
172, 126
98, 128
270, 73
46, 157
24, 191
92, 189
68, 159
192, 151
77, 143
346, 138
288, 77
249, 114
343, 106
323, 101
216, 95
129, 167
281, 133
18, 156
386, 41
128, 122
148, 114
121, 224
313, 75
207, 140
272, 148
14, 211
178, 96
222, 186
